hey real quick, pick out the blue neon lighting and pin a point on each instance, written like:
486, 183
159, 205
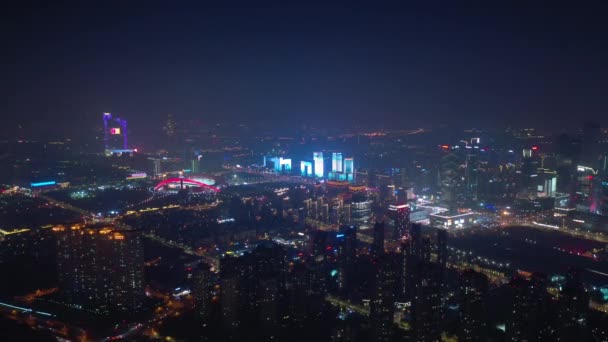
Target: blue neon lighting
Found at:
33, 185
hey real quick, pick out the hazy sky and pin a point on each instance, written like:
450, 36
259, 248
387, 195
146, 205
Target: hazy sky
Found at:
353, 62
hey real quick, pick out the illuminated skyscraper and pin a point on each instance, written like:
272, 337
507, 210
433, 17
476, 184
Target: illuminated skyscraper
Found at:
305, 168
114, 138
195, 166
399, 216
278, 164
349, 166
318, 160
336, 162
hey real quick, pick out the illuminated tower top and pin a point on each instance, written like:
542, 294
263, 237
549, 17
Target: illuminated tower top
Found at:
336, 162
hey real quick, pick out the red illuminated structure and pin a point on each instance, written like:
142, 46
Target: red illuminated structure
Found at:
184, 181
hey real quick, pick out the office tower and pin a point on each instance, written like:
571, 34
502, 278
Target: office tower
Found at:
427, 306
157, 164
349, 169
361, 210
547, 182
449, 176
278, 164
400, 220
115, 138
349, 165
318, 163
473, 291
587, 191
529, 166
101, 269
377, 248
306, 169
336, 162
203, 291
195, 165
285, 164
322, 252
383, 299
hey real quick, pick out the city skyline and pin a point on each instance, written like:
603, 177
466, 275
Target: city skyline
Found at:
304, 171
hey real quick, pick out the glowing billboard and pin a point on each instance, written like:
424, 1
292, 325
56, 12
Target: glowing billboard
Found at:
115, 130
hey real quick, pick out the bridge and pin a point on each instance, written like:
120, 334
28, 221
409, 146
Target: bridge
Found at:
185, 181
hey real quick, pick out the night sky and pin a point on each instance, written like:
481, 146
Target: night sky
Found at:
350, 63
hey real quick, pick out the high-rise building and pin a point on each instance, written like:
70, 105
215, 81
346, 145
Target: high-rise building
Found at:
377, 248
361, 210
236, 274
449, 176
442, 248
336, 162
278, 164
157, 163
319, 164
101, 269
203, 291
471, 175
269, 285
115, 135
347, 242
427, 303
305, 168
383, 299
587, 191
399, 216
473, 291
195, 166
349, 165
